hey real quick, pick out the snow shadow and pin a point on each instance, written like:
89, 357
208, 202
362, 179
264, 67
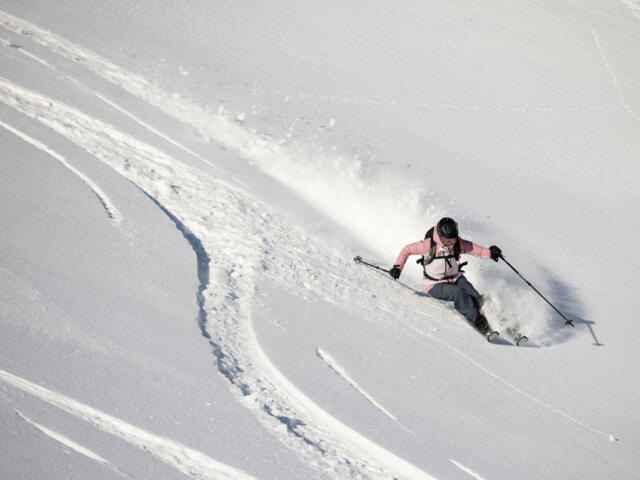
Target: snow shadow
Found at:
202, 259
566, 301
226, 365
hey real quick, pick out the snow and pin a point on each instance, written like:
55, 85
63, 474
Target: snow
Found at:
184, 188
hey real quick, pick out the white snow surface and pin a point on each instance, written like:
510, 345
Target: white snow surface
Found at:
184, 186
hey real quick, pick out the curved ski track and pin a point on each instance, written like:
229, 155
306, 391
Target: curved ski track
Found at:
112, 211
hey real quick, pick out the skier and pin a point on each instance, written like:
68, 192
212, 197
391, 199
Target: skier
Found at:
443, 277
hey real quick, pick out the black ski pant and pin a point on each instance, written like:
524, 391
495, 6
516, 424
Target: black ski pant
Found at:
465, 298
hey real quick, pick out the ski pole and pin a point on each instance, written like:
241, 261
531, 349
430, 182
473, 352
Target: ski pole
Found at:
358, 259
567, 321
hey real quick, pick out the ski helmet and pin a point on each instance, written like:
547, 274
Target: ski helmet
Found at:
447, 228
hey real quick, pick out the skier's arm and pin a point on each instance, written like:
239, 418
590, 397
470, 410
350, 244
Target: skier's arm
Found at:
473, 249
418, 248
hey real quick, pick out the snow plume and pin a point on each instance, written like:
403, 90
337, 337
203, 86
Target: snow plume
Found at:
512, 306
378, 213
517, 312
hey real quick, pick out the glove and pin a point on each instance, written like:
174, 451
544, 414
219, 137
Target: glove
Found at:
395, 272
496, 253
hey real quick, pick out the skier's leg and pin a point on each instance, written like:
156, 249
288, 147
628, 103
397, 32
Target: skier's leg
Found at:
462, 301
481, 322
471, 291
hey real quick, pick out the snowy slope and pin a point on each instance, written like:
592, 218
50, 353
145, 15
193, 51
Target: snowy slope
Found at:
184, 188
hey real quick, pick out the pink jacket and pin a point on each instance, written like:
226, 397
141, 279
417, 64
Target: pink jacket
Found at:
444, 270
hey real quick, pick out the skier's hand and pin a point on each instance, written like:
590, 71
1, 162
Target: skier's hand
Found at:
496, 253
395, 272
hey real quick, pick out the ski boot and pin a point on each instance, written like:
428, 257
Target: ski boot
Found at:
521, 340
482, 325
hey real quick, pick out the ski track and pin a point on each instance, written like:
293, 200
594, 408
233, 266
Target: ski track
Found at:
125, 112
634, 7
612, 75
112, 211
58, 437
31, 56
112, 104
191, 462
224, 131
212, 215
342, 373
466, 470
547, 406
444, 106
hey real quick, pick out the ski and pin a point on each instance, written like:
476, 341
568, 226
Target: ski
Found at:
521, 340
491, 336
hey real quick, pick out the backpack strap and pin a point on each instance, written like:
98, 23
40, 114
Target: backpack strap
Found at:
426, 260
432, 249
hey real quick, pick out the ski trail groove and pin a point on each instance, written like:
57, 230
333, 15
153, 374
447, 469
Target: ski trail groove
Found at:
173, 142
67, 442
32, 56
466, 470
111, 103
230, 232
612, 75
634, 7
342, 373
223, 130
111, 210
547, 406
448, 106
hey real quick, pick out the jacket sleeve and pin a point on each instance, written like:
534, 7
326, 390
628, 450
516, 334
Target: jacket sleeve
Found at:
469, 247
418, 248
